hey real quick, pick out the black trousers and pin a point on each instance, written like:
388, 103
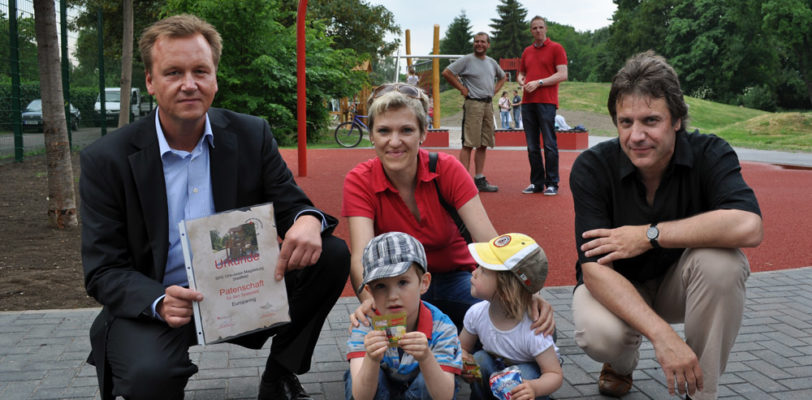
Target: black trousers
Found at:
539, 118
149, 360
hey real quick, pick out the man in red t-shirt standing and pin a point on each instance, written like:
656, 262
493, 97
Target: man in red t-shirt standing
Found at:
543, 66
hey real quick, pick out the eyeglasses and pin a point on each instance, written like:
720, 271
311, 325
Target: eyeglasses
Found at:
402, 88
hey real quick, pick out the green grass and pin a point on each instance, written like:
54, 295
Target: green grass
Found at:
326, 140
742, 127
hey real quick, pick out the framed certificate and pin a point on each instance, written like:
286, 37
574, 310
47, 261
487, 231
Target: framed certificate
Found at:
231, 259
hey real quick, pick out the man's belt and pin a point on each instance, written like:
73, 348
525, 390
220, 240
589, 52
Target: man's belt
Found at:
485, 100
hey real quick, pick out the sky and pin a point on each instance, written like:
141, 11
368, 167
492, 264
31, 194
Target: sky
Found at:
420, 16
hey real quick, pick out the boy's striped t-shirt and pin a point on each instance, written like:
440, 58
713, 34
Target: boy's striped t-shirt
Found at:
442, 339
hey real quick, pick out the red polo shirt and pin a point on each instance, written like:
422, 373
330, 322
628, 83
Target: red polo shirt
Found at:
539, 63
369, 193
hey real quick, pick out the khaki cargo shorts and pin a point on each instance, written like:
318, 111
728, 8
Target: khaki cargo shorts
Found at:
477, 123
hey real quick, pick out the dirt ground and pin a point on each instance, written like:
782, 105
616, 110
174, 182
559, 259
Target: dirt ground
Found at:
40, 267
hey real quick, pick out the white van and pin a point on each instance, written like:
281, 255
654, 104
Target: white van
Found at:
112, 103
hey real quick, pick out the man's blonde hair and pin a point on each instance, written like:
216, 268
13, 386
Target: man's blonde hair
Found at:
177, 26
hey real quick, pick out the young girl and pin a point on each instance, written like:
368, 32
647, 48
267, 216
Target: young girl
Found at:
511, 268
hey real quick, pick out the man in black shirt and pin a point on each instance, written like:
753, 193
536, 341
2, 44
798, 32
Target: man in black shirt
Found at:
660, 215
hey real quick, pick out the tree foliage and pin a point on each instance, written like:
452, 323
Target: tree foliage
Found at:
257, 72
511, 30
357, 25
145, 12
458, 38
26, 44
792, 21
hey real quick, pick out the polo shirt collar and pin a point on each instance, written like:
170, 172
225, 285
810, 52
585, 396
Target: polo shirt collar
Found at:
381, 183
544, 43
425, 323
682, 156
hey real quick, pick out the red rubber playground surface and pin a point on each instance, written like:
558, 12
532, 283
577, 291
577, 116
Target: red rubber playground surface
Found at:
785, 197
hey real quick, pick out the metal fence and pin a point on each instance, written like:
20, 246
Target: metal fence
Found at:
20, 132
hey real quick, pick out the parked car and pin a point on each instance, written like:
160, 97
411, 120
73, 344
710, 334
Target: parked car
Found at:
112, 104
32, 116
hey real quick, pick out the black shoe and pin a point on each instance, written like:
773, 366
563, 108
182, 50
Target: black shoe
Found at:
484, 186
285, 386
532, 189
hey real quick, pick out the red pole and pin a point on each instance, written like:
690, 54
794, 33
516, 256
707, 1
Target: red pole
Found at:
301, 109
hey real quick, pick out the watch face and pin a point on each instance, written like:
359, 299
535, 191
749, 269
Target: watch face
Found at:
652, 232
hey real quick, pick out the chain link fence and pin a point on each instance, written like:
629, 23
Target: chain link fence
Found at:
20, 106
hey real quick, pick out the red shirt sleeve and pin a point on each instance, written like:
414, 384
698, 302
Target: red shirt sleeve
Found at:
358, 198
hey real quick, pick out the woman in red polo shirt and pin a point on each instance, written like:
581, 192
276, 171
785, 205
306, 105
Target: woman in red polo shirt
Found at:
396, 192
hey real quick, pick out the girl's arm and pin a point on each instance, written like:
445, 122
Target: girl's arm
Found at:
551, 376
467, 341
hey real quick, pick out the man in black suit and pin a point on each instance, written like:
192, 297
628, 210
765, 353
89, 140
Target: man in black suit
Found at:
185, 161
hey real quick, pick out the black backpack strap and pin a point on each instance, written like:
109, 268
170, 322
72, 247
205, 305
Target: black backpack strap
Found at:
433, 162
448, 208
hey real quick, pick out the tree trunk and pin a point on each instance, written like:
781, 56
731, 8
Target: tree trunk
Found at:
61, 197
126, 63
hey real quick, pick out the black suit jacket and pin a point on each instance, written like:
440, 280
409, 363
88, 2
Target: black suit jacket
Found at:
125, 237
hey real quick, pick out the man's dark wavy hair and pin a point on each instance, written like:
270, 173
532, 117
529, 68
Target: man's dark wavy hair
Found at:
649, 74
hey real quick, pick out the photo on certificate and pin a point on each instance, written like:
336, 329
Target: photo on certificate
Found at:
231, 258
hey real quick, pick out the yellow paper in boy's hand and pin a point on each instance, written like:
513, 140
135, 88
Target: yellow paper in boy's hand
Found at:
393, 324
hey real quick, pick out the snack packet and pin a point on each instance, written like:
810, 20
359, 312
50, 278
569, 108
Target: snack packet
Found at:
502, 382
472, 368
393, 324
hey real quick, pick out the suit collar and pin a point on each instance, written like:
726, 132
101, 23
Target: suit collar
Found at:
147, 169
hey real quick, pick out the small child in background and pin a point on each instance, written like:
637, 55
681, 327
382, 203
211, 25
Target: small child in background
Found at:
421, 364
511, 268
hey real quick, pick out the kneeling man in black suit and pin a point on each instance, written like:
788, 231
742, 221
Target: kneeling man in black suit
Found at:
186, 161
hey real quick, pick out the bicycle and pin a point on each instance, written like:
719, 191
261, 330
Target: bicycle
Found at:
350, 133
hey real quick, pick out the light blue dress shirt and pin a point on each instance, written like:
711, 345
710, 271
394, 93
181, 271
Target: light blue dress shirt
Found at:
188, 196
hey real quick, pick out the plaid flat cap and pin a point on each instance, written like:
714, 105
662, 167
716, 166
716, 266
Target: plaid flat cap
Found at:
391, 254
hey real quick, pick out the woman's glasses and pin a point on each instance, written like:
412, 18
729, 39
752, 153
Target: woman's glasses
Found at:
402, 88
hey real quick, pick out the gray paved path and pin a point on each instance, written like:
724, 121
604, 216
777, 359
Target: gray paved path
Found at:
42, 353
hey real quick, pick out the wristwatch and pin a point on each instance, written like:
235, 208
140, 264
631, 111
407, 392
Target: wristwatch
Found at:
652, 234
541, 82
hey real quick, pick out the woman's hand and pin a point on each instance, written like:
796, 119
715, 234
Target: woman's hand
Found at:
541, 313
360, 315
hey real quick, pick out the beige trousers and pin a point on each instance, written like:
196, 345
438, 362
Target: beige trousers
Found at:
705, 289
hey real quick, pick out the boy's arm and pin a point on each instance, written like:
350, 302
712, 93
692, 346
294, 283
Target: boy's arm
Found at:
364, 370
439, 383
550, 380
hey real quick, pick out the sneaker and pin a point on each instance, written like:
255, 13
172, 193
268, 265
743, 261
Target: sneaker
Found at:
532, 189
613, 384
483, 185
551, 191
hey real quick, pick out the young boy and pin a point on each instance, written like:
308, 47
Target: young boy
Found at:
425, 359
